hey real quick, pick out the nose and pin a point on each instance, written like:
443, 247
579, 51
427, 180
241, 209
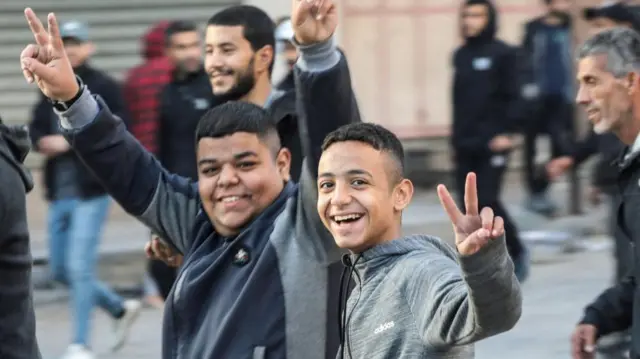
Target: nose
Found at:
213, 61
228, 176
341, 195
583, 98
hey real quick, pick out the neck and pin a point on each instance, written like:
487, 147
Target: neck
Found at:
260, 92
630, 133
387, 236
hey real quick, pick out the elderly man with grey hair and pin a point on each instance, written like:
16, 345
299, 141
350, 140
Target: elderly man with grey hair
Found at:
609, 78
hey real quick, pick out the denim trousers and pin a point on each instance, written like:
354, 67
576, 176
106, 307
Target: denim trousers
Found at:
75, 227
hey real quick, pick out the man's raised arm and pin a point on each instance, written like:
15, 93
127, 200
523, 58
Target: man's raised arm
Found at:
166, 203
325, 101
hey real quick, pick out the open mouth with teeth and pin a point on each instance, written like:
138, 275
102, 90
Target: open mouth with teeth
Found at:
232, 199
347, 218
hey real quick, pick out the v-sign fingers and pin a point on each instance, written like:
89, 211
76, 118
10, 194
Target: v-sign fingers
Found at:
471, 195
39, 33
449, 205
54, 34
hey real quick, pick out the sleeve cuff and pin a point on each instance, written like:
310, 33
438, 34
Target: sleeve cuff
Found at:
81, 113
318, 57
491, 256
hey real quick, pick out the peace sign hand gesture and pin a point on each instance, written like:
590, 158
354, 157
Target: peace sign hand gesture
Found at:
472, 230
313, 21
46, 62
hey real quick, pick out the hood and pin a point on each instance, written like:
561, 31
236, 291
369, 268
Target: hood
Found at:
153, 42
15, 145
489, 32
370, 261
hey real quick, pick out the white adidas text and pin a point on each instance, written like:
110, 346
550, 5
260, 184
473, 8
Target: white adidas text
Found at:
383, 327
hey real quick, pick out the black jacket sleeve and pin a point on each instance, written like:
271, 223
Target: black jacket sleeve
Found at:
510, 89
324, 102
17, 320
612, 310
585, 148
112, 94
41, 121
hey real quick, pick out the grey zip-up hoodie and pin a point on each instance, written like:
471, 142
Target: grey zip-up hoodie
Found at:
416, 298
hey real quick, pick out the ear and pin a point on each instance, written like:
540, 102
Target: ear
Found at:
91, 48
283, 163
264, 59
402, 195
632, 82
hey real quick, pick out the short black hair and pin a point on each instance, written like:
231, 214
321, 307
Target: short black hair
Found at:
373, 135
178, 27
238, 116
258, 28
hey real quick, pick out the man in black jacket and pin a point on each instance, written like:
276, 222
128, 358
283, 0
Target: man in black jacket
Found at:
17, 321
484, 114
79, 204
609, 78
548, 88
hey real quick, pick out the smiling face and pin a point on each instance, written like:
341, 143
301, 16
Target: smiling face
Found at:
233, 66
360, 195
606, 98
238, 177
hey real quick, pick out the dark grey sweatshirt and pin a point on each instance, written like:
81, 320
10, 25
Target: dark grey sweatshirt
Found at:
17, 320
416, 298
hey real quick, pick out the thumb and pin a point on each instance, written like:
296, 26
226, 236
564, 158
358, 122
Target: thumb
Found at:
589, 337
474, 241
37, 68
301, 10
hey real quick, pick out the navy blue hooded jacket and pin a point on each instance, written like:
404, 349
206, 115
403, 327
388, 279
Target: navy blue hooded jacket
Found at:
263, 293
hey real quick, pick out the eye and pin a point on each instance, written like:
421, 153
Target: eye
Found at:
209, 171
358, 183
325, 185
246, 165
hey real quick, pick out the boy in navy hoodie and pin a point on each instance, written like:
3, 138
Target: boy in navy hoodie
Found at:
414, 296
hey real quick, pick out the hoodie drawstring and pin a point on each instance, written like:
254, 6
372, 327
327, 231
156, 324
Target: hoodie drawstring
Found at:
343, 294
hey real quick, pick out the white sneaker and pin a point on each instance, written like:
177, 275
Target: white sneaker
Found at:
122, 325
78, 351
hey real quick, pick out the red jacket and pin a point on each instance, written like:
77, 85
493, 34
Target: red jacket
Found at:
143, 86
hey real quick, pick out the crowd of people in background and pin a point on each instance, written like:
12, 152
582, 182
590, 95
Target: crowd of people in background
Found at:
314, 175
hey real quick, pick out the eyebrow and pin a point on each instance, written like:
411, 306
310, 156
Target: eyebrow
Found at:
236, 157
349, 173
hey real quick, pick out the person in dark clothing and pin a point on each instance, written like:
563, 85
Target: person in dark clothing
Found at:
606, 145
609, 80
17, 319
186, 98
254, 282
286, 48
79, 204
143, 86
604, 179
548, 77
485, 114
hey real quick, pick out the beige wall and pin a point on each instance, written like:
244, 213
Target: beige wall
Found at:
400, 53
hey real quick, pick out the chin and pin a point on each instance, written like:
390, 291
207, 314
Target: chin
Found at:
355, 244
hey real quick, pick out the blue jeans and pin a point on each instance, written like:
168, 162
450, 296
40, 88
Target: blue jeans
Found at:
75, 226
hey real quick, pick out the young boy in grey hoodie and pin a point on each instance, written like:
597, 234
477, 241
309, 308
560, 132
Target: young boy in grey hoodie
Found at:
415, 297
